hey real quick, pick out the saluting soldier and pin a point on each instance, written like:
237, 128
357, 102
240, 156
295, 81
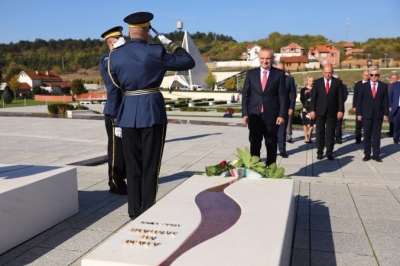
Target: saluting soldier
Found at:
138, 68
116, 164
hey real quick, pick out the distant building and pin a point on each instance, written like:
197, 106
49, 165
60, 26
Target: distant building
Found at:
294, 62
47, 80
350, 49
292, 49
324, 54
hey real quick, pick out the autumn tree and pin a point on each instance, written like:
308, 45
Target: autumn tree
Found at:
230, 83
211, 79
14, 85
77, 87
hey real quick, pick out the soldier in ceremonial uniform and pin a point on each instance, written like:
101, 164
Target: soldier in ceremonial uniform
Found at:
138, 68
116, 164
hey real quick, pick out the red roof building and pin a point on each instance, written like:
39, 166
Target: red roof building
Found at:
47, 80
324, 54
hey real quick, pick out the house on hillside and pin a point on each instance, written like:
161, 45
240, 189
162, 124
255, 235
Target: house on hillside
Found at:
324, 54
47, 80
292, 49
294, 62
350, 49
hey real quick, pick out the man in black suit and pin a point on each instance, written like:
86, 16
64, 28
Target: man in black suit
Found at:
285, 130
357, 88
326, 107
339, 123
264, 104
372, 108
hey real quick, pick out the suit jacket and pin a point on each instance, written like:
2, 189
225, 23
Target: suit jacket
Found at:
327, 104
275, 97
138, 65
357, 88
373, 108
291, 88
114, 94
394, 94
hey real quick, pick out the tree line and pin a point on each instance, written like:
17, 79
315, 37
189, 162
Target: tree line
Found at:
67, 56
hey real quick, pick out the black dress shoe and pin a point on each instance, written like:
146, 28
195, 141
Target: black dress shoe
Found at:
366, 158
377, 159
339, 141
319, 156
358, 141
290, 141
330, 157
119, 191
396, 141
284, 155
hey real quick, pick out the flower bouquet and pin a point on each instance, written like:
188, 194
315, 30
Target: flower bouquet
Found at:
251, 164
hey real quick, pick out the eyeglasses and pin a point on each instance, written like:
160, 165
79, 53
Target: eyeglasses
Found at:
374, 75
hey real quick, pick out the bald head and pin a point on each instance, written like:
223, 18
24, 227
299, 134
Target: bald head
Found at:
280, 66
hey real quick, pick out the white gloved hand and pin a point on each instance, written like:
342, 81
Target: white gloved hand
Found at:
164, 40
118, 132
121, 41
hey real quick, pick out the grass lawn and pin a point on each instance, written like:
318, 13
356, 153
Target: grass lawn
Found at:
22, 103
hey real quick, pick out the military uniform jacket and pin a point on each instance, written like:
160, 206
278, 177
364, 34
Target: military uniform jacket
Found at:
138, 65
114, 95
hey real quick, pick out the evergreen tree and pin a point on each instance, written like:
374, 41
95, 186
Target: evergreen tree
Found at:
77, 87
7, 96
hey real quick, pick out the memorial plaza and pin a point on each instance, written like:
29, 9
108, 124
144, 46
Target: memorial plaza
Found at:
347, 212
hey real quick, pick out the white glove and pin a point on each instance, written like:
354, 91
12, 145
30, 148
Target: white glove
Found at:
121, 41
164, 40
118, 132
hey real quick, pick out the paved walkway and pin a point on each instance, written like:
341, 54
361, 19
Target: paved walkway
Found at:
348, 211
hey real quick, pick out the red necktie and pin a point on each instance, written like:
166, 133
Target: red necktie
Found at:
327, 86
263, 85
373, 90
264, 80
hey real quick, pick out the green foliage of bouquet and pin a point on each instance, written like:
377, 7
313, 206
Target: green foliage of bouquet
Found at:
246, 160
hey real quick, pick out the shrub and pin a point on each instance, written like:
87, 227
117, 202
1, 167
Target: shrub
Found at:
201, 104
81, 107
192, 109
181, 105
219, 102
59, 108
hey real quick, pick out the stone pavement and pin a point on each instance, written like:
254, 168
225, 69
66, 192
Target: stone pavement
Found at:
348, 211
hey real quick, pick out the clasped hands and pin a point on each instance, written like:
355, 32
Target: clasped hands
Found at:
312, 115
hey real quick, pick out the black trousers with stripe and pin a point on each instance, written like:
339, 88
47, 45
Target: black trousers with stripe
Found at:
116, 162
143, 149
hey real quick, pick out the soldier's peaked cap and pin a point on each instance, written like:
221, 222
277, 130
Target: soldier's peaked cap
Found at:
139, 20
114, 32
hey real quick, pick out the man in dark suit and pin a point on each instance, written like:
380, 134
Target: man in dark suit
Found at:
326, 107
357, 88
138, 68
285, 130
264, 104
116, 163
339, 123
393, 79
394, 106
372, 108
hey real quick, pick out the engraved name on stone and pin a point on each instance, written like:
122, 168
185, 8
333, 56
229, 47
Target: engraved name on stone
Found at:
151, 234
